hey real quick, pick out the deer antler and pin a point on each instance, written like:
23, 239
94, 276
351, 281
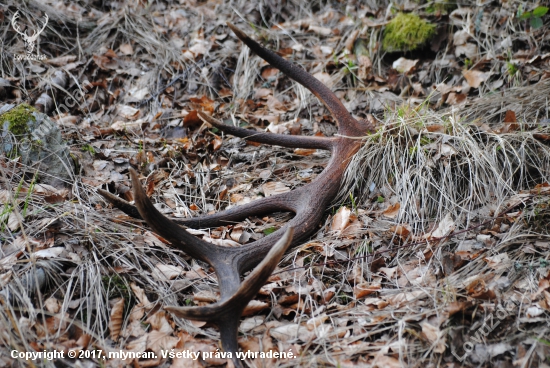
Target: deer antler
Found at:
26, 37
15, 26
308, 204
37, 33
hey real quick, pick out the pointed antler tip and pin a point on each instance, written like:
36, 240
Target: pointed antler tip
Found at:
139, 193
240, 34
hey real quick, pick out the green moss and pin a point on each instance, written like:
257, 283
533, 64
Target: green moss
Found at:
18, 119
406, 32
88, 148
116, 286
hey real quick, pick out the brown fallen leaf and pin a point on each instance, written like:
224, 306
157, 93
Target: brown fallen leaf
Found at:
402, 230
477, 289
254, 306
203, 103
445, 227
341, 219
392, 211
510, 117
434, 335
364, 289
128, 112
106, 61
274, 187
403, 65
115, 323
324, 78
475, 77
191, 119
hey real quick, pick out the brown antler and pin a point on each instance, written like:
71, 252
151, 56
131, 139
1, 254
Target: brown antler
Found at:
308, 204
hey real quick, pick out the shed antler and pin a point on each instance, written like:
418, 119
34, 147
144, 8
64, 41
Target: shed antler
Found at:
308, 203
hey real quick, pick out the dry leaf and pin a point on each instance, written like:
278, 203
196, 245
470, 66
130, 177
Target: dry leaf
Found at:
273, 188
52, 305
126, 49
389, 271
434, 335
460, 37
49, 253
364, 289
115, 323
268, 72
477, 289
323, 31
274, 105
253, 307
402, 230
456, 98
163, 272
510, 117
128, 112
6, 277
61, 61
203, 103
106, 61
341, 219
324, 78
291, 331
403, 65
13, 221
314, 322
162, 335
192, 119
475, 77
140, 295
392, 211
498, 261
468, 49
445, 227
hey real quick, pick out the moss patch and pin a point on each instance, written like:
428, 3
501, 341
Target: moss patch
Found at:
18, 119
406, 32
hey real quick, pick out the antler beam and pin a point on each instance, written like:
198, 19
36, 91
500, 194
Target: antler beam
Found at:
308, 203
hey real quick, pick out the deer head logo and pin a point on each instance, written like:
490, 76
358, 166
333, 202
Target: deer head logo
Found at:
30, 41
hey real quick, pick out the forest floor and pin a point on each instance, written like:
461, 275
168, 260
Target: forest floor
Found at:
436, 251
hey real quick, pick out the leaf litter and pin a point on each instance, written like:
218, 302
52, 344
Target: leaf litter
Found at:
442, 220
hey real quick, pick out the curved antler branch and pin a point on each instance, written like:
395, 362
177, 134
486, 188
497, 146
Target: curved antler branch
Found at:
346, 123
15, 26
35, 35
291, 141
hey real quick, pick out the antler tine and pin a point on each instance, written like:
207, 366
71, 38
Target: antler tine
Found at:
45, 23
14, 24
345, 121
291, 141
258, 207
35, 35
